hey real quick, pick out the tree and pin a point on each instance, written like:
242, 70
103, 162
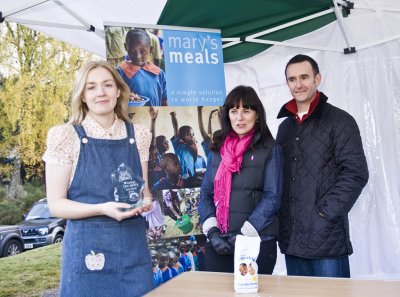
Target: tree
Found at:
34, 94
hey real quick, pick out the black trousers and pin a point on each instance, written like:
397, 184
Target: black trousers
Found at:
219, 263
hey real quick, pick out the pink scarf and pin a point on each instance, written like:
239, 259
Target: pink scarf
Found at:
232, 152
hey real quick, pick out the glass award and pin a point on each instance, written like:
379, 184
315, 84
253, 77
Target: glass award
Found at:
128, 187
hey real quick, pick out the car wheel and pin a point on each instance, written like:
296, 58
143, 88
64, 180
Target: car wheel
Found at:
12, 247
58, 238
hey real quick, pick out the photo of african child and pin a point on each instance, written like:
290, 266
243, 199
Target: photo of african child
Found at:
174, 214
247, 268
252, 271
243, 269
180, 210
140, 65
180, 140
177, 163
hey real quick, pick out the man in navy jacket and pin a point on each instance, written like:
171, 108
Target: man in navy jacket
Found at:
325, 171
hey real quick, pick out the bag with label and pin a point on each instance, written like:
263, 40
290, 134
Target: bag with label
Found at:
245, 266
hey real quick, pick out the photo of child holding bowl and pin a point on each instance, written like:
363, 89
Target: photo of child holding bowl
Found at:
146, 81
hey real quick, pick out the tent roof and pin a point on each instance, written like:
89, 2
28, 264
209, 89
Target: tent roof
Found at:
72, 20
237, 18
81, 22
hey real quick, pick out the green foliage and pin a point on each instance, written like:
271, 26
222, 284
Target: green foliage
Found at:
11, 211
30, 273
35, 91
5, 171
35, 192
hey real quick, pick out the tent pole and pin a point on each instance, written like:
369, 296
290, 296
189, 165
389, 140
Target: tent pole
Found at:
302, 20
45, 24
339, 18
88, 26
265, 32
26, 6
289, 44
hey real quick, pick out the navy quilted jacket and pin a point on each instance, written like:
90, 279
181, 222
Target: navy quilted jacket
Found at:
325, 171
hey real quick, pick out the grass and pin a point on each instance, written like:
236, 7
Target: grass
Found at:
30, 273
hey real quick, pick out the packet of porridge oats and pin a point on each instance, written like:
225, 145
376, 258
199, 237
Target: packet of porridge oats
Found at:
245, 266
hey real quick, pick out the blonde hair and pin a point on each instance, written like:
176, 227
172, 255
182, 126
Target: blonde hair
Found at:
80, 109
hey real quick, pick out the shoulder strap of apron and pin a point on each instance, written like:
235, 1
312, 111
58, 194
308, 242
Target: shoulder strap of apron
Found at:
80, 130
82, 133
130, 130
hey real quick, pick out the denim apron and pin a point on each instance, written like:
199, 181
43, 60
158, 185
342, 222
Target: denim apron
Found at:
100, 256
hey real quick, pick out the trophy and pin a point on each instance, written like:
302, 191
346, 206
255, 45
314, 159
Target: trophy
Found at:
128, 187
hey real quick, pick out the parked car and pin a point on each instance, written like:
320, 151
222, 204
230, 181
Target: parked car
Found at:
11, 242
40, 228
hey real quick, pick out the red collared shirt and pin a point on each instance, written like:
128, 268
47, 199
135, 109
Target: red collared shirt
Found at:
291, 106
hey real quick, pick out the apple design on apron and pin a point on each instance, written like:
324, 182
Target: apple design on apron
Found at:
95, 261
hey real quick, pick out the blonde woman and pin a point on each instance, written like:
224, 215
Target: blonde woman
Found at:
104, 250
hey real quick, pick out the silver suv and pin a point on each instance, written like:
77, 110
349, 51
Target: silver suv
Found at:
39, 228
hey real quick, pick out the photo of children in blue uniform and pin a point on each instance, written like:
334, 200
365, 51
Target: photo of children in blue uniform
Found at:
173, 180
157, 273
163, 265
177, 143
207, 135
143, 77
184, 143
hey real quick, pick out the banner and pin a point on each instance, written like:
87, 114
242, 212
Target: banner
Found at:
176, 78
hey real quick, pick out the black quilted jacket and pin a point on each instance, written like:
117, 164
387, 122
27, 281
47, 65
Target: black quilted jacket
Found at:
325, 171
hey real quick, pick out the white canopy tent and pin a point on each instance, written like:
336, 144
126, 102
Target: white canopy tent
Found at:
365, 83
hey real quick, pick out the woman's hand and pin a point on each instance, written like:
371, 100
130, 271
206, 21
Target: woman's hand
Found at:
219, 242
113, 210
147, 200
147, 204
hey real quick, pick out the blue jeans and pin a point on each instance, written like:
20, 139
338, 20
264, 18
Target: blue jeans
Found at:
330, 267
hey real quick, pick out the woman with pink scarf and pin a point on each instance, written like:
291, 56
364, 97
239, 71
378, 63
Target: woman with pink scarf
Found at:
241, 190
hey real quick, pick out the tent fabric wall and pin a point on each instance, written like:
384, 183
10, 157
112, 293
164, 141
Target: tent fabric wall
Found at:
367, 85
